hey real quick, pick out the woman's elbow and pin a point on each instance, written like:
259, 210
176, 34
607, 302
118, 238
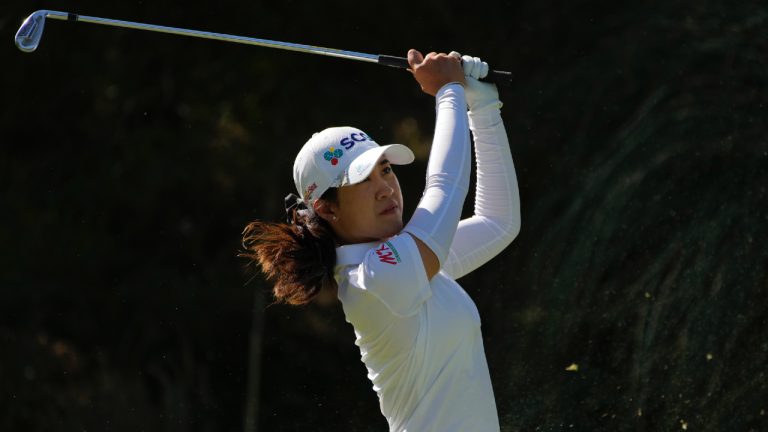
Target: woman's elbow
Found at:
512, 227
510, 234
506, 229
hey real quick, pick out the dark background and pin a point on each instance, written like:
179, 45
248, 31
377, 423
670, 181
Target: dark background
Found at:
131, 161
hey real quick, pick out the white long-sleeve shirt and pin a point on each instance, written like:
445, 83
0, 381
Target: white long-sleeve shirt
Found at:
420, 339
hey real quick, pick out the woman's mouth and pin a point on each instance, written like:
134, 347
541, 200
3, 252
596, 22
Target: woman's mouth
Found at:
389, 210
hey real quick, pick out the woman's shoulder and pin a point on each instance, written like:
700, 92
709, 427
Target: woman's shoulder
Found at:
391, 270
390, 251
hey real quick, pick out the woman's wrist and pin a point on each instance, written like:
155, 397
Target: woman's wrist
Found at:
446, 86
453, 95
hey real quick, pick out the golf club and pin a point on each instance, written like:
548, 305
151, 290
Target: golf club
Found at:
30, 32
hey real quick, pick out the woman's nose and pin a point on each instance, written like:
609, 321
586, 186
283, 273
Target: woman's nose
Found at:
384, 190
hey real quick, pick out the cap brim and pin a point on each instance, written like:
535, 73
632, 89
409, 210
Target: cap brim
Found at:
360, 168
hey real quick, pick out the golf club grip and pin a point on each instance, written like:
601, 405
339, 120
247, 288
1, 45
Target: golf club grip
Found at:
497, 77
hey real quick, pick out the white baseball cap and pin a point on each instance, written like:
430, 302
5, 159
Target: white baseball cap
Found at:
340, 156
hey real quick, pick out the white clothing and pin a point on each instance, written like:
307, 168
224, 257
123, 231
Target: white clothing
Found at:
437, 215
496, 221
420, 339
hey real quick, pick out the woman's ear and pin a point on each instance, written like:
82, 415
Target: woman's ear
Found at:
325, 210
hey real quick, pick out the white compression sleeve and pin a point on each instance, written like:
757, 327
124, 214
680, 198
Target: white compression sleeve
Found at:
435, 220
496, 221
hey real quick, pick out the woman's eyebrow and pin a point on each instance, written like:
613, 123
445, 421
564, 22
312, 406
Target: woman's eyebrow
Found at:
384, 162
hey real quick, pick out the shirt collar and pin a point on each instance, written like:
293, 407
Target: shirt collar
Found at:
352, 254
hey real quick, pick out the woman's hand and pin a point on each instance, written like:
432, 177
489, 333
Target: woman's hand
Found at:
435, 70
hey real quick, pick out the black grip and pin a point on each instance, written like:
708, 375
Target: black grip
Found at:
502, 78
497, 77
398, 62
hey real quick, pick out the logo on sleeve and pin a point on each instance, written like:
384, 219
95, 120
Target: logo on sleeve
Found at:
388, 254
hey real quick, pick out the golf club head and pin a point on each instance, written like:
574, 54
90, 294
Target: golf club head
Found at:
29, 34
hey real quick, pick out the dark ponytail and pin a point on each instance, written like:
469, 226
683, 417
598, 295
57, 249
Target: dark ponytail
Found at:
298, 256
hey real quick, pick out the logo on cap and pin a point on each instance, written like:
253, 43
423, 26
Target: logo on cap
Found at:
310, 190
333, 155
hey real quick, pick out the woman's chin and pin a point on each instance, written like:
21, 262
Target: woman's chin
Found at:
393, 228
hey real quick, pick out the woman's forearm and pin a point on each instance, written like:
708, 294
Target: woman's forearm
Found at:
435, 220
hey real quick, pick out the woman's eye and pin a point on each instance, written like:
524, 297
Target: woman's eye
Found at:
387, 170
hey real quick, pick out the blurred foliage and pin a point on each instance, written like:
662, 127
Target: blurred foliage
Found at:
131, 161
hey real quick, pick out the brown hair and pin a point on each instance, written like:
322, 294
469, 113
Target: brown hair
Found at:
298, 256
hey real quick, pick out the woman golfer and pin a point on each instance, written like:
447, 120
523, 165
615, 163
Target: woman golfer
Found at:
418, 331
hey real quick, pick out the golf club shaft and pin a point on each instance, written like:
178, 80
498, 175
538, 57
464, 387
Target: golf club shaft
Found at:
215, 36
498, 77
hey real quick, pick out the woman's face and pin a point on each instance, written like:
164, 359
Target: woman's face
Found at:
371, 210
